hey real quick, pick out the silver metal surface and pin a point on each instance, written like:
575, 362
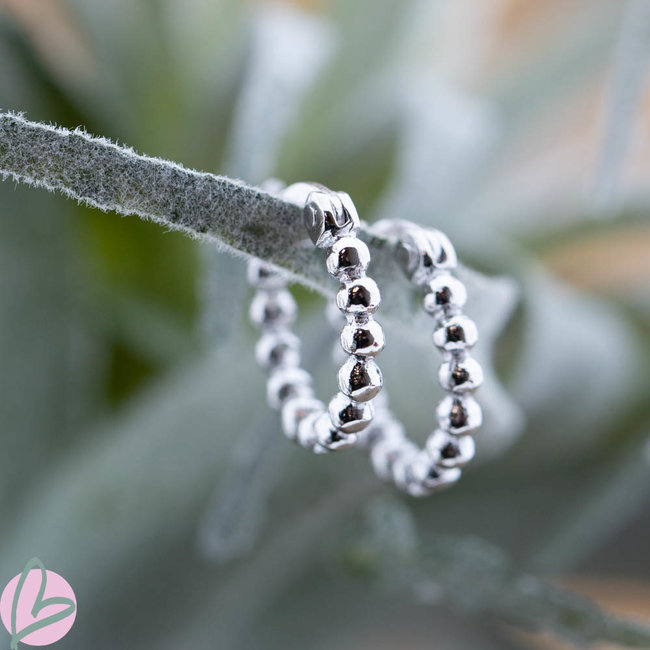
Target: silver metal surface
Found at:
332, 223
329, 216
348, 258
363, 340
360, 296
295, 409
459, 414
428, 258
445, 295
360, 379
456, 334
449, 451
348, 415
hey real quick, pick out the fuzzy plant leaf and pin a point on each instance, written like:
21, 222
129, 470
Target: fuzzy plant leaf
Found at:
56, 361
288, 52
237, 217
572, 387
613, 495
630, 72
478, 577
473, 575
109, 177
289, 48
237, 512
465, 131
236, 517
152, 464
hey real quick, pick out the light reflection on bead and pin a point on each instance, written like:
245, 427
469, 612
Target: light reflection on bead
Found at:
417, 254
383, 425
459, 414
285, 383
295, 409
456, 333
446, 253
348, 415
349, 258
360, 379
430, 476
329, 438
460, 376
450, 451
365, 340
278, 348
274, 309
382, 457
445, 293
329, 216
359, 296
262, 276
402, 469
306, 433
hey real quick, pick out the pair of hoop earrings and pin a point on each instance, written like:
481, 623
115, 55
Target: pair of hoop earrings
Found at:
358, 415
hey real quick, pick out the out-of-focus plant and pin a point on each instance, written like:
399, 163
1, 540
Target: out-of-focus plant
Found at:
134, 462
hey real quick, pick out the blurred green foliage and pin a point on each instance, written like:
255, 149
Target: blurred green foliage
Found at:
122, 422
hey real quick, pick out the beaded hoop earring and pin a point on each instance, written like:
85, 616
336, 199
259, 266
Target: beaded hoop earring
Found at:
428, 257
332, 223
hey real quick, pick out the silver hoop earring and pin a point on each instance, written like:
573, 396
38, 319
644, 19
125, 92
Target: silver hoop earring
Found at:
429, 259
332, 223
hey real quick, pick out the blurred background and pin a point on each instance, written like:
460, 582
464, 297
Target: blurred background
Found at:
139, 459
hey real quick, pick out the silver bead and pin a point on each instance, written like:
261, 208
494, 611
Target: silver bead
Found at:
366, 340
306, 432
360, 379
427, 474
449, 451
360, 296
386, 442
402, 469
456, 333
332, 222
274, 309
415, 254
294, 410
368, 437
460, 376
446, 293
382, 422
423, 252
329, 216
262, 276
446, 253
285, 383
278, 348
459, 414
348, 415
382, 457
348, 258
418, 490
329, 438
